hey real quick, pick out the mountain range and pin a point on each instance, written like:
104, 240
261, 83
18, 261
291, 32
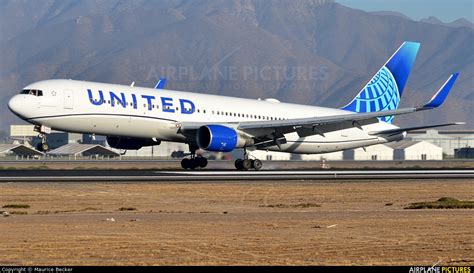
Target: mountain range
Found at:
302, 51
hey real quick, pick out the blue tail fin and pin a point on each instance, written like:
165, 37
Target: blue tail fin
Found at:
161, 83
384, 90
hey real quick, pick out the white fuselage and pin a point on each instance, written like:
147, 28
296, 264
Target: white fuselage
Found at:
77, 106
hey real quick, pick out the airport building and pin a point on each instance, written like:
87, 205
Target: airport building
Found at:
448, 140
91, 151
415, 150
464, 153
19, 151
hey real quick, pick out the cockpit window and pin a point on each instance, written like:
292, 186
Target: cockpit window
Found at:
33, 92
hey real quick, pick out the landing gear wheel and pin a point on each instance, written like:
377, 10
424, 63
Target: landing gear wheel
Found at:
238, 164
201, 161
42, 147
193, 163
246, 164
186, 163
257, 164
45, 147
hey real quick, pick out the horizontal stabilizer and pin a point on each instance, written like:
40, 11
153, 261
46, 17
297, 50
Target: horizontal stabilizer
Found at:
406, 129
442, 93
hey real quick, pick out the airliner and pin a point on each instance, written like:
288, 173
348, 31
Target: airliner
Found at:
133, 117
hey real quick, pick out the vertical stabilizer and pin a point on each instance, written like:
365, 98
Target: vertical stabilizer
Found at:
384, 90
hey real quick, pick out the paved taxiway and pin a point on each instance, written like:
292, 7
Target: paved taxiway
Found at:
210, 175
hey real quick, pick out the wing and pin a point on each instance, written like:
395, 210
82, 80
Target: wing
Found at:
269, 133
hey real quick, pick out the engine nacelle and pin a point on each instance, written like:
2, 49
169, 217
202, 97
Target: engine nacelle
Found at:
218, 138
129, 143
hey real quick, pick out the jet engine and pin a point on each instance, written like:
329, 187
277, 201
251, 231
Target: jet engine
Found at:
218, 138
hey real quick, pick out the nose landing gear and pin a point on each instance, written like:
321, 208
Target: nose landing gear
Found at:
43, 146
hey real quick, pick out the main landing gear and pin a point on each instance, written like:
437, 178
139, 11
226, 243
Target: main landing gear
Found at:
247, 164
195, 161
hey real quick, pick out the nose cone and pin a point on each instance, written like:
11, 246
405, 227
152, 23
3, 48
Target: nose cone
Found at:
15, 105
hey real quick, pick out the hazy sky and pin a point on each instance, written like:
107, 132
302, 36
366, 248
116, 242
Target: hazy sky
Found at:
445, 10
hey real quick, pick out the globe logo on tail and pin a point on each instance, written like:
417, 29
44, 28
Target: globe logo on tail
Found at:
380, 94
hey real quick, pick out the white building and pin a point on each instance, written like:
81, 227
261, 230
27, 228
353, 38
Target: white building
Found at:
374, 152
416, 150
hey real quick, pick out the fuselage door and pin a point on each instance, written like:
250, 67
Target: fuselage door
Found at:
68, 99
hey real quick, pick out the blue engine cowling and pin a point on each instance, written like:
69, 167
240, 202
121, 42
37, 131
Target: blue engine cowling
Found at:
217, 138
128, 143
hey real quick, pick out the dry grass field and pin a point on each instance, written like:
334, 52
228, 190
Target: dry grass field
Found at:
248, 223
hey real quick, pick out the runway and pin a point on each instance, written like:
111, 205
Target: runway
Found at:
219, 175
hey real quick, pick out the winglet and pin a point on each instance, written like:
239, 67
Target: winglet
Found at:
161, 83
442, 93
